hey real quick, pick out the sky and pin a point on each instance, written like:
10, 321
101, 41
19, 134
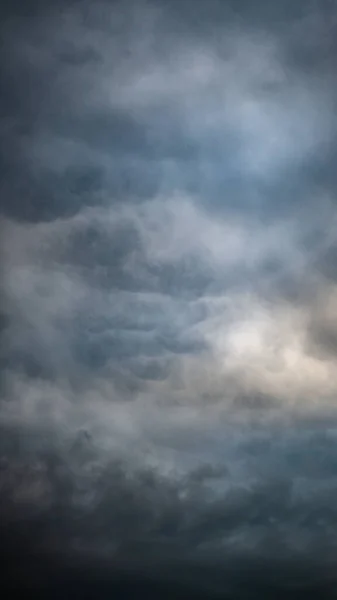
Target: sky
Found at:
168, 298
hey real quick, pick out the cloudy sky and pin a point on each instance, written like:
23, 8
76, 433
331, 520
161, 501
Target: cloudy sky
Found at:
168, 298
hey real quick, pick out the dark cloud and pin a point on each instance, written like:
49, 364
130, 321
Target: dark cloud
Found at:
274, 532
168, 294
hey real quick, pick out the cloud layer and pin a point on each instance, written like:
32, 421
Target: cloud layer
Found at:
168, 287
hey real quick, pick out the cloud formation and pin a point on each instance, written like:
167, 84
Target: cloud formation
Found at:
168, 343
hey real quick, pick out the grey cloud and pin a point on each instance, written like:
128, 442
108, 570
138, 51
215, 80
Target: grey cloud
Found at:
139, 516
168, 295
179, 129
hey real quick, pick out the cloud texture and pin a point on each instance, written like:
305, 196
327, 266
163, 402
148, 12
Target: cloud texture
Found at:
168, 298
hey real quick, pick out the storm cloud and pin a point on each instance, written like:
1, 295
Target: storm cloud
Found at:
168, 298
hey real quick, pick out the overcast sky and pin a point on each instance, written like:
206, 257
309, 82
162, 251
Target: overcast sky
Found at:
169, 296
